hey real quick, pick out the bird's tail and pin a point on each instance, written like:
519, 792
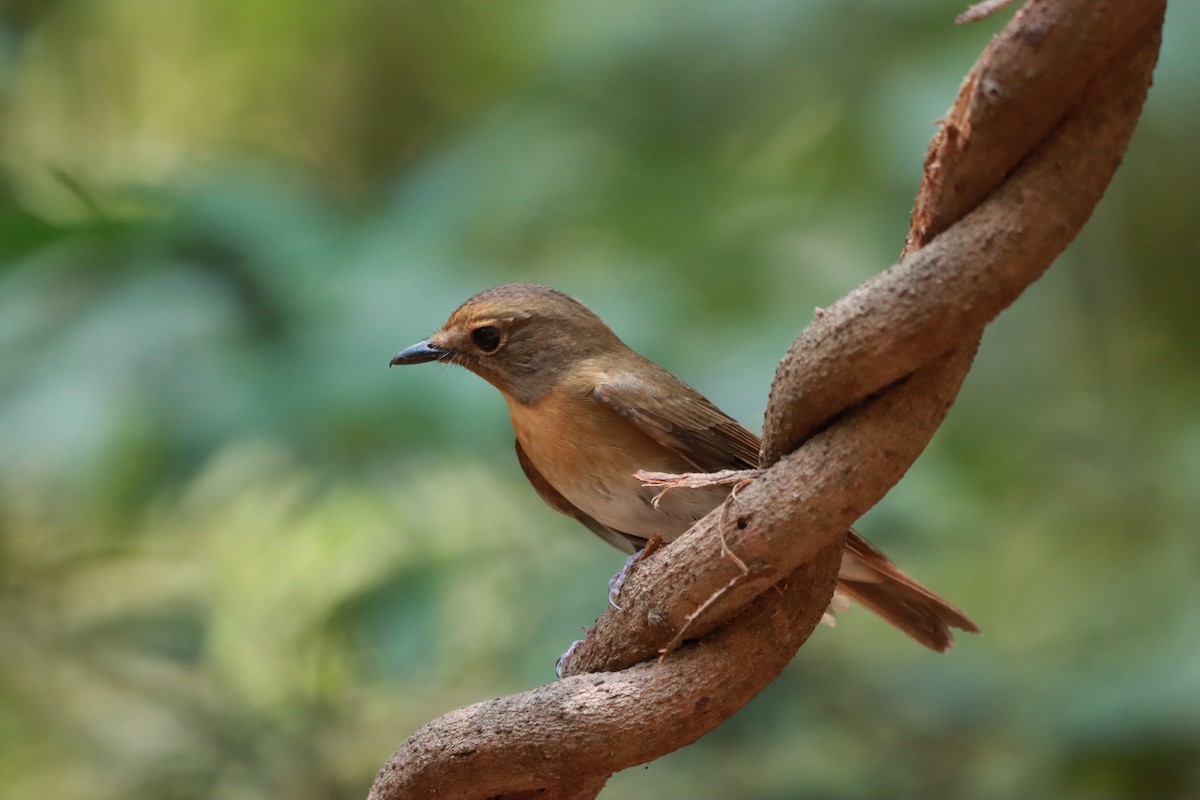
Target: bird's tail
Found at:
868, 577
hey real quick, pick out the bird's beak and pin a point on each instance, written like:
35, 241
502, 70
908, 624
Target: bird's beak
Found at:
419, 353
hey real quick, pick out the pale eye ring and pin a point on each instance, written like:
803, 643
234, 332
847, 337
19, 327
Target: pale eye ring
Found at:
486, 338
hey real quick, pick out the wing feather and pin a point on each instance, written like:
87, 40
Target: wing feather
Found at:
679, 418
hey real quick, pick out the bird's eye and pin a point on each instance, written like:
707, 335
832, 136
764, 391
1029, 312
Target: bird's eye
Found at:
486, 338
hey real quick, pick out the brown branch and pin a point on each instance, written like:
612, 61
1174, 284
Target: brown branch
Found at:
992, 255
627, 717
1028, 148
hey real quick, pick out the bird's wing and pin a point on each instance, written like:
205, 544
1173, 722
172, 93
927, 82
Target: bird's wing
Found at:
679, 418
624, 542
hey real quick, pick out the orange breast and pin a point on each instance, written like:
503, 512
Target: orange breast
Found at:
589, 453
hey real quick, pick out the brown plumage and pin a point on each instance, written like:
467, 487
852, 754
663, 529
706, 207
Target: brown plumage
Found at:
588, 412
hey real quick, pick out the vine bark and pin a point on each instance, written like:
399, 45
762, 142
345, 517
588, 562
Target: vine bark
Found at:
1021, 159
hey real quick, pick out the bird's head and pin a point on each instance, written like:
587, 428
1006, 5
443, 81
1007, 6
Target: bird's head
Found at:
521, 338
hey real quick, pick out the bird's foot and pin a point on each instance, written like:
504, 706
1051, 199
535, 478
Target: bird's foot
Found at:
561, 664
617, 581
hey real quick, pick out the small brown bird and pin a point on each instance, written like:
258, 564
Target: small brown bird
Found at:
589, 412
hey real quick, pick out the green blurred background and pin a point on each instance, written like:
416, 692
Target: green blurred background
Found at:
239, 558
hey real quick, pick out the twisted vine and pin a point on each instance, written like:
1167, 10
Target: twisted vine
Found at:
1022, 158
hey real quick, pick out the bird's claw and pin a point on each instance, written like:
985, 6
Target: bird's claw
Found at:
617, 581
561, 664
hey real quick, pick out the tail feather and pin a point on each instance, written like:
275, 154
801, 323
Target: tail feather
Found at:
874, 581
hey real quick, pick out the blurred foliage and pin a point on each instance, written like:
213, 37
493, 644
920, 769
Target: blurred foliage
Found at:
240, 559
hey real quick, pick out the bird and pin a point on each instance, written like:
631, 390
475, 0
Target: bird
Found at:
589, 412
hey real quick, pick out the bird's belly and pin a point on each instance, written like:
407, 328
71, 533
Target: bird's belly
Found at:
625, 505
589, 453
